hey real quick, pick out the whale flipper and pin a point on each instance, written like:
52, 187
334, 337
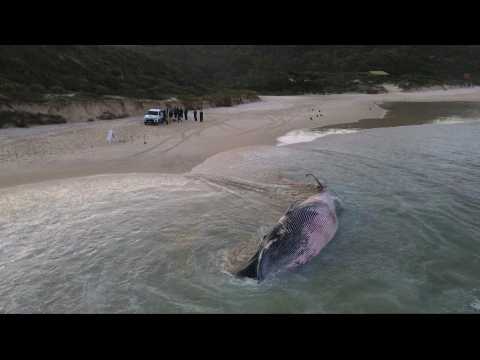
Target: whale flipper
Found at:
250, 269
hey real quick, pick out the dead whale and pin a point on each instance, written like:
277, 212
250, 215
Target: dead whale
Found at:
300, 234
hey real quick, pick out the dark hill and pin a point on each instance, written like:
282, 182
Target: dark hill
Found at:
159, 72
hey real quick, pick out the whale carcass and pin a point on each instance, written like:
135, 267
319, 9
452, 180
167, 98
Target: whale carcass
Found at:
300, 234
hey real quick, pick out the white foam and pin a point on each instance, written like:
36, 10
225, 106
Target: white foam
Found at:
451, 120
476, 304
305, 135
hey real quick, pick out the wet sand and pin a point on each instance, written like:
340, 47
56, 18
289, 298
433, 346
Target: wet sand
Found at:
79, 149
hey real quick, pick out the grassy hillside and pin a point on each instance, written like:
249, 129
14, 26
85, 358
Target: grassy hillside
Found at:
28, 71
299, 69
160, 72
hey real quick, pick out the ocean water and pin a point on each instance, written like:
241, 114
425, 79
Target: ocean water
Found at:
408, 242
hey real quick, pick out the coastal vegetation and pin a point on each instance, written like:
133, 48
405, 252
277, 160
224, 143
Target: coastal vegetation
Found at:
221, 75
165, 71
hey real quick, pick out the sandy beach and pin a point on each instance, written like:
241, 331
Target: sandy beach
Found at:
80, 148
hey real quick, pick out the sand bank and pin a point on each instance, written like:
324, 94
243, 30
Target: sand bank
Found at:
78, 149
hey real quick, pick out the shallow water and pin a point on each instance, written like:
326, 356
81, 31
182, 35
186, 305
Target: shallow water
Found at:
409, 238
416, 113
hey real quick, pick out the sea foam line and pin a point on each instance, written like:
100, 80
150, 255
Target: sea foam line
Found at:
451, 120
305, 135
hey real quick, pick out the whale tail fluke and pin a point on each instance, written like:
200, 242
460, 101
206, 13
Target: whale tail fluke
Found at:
320, 186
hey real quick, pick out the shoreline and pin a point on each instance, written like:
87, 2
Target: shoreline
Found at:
52, 152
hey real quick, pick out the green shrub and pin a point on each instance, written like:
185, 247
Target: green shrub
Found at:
56, 89
25, 119
37, 88
203, 70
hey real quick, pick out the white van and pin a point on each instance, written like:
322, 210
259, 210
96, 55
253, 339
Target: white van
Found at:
154, 117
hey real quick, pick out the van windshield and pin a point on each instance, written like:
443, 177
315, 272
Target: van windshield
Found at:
152, 113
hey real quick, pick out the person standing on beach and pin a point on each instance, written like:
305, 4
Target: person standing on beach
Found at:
186, 114
195, 114
110, 136
201, 115
165, 116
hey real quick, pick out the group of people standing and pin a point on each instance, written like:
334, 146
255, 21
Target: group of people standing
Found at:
179, 114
